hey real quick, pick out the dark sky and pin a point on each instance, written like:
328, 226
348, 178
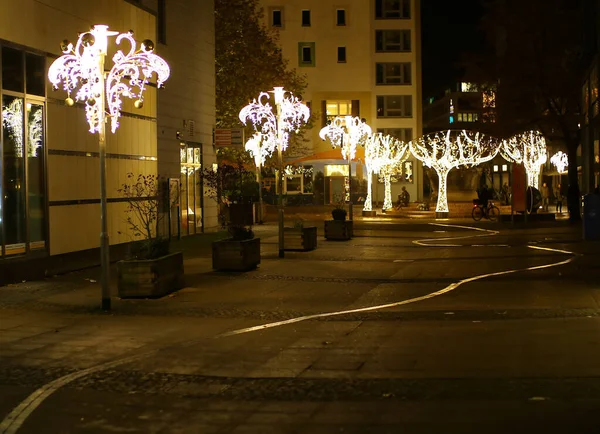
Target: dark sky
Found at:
449, 28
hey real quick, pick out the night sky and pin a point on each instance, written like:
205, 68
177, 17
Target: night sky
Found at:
449, 28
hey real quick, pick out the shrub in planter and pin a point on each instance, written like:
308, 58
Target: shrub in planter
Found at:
150, 269
241, 252
339, 214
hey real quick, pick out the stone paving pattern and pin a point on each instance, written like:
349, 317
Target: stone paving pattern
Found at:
513, 353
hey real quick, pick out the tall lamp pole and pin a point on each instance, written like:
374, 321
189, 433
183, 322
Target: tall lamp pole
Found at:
347, 133
275, 129
82, 67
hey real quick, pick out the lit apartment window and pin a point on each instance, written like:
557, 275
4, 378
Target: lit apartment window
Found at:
341, 17
393, 73
394, 106
276, 18
392, 9
337, 108
306, 18
392, 41
306, 54
341, 54
404, 134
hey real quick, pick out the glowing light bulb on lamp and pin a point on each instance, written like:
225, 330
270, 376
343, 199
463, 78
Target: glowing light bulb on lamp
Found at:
560, 161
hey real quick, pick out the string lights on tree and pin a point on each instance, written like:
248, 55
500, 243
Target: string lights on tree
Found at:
529, 149
560, 160
275, 129
383, 155
346, 133
444, 151
81, 70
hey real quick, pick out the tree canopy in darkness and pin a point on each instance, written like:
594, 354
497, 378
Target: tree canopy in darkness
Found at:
449, 30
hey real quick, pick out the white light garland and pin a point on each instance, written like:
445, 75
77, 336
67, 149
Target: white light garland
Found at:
529, 149
80, 68
292, 115
383, 154
444, 151
36, 132
12, 116
560, 161
347, 133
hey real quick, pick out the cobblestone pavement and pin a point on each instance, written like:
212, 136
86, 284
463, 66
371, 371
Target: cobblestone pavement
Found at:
509, 353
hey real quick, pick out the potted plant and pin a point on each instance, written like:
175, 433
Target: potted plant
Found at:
239, 252
150, 270
339, 228
300, 237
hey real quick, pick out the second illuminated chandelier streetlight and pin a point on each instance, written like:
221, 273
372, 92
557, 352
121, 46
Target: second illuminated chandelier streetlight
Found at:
82, 67
275, 129
347, 133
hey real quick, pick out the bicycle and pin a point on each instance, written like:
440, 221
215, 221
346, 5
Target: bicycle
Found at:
491, 212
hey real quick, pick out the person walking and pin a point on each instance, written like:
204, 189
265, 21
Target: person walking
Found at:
559, 198
545, 197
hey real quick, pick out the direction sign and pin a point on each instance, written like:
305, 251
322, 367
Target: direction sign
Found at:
229, 137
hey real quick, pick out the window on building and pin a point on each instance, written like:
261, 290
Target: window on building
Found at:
12, 69
306, 18
276, 18
22, 155
190, 196
341, 17
393, 73
404, 134
392, 41
394, 106
306, 54
392, 9
338, 108
341, 54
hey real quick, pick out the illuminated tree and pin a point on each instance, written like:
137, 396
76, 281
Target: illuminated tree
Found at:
396, 155
529, 149
444, 151
560, 161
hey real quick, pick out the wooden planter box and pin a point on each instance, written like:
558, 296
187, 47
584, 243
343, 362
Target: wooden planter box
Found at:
150, 278
304, 239
338, 229
230, 255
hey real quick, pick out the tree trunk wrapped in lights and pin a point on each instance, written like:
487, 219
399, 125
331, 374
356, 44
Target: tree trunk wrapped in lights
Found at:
444, 151
391, 158
377, 151
529, 149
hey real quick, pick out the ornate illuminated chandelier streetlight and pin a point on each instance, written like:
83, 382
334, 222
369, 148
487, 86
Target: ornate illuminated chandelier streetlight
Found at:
275, 129
560, 161
82, 67
347, 132
529, 149
444, 151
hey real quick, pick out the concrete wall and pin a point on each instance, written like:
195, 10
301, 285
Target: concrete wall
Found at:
190, 92
72, 161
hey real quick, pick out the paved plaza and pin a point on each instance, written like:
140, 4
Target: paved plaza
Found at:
411, 327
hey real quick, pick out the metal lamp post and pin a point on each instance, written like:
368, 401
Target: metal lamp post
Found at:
346, 133
275, 132
82, 67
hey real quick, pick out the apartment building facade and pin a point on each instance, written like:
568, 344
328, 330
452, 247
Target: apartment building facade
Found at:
361, 58
49, 177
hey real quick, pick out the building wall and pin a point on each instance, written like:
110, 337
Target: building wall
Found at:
187, 104
355, 79
72, 173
